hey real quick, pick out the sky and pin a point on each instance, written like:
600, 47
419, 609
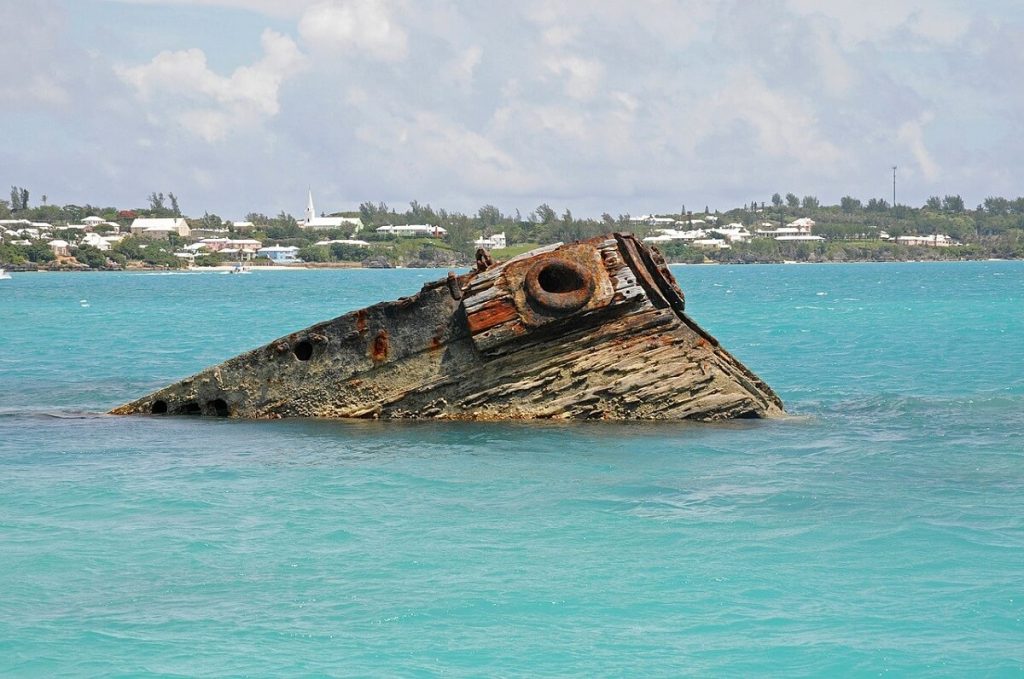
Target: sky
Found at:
637, 106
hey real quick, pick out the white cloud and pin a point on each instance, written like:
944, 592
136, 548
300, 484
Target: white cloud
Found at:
359, 26
783, 126
582, 76
426, 146
460, 70
939, 24
838, 76
30, 51
180, 87
45, 89
874, 20
276, 8
911, 133
559, 36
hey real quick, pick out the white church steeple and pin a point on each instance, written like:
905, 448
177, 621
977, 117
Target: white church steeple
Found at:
310, 211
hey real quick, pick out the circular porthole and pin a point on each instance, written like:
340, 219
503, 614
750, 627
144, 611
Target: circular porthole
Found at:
559, 285
303, 350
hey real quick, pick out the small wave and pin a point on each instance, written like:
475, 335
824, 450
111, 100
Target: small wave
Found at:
177, 273
52, 414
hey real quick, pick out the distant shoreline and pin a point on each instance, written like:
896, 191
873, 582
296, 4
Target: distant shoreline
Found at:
355, 266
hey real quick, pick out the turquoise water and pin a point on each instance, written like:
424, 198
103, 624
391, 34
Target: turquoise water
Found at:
880, 529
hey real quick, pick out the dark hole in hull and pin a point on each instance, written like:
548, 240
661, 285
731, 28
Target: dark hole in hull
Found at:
220, 407
556, 277
192, 408
159, 407
748, 415
303, 350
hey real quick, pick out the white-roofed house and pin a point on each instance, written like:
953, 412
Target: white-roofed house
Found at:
162, 227
665, 235
235, 245
495, 242
344, 241
937, 241
734, 233
413, 230
59, 247
804, 224
796, 230
712, 244
95, 240
280, 254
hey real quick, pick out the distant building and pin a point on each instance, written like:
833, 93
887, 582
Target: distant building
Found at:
344, 241
495, 242
797, 237
427, 230
666, 235
280, 254
160, 227
734, 233
313, 222
59, 247
248, 245
95, 240
712, 244
936, 241
796, 230
651, 220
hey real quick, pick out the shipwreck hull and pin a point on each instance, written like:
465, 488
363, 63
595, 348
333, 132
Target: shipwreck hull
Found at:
594, 329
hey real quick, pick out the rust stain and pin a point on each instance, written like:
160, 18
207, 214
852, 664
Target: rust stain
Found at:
380, 346
453, 286
484, 261
361, 320
491, 314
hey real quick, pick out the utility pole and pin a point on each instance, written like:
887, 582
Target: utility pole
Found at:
894, 186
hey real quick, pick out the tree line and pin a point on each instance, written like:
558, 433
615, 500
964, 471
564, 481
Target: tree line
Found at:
993, 228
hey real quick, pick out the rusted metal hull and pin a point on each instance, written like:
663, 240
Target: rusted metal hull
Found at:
594, 329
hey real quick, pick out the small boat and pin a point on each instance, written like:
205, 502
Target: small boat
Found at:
595, 329
238, 268
4, 275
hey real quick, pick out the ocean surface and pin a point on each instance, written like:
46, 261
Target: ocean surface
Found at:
880, 529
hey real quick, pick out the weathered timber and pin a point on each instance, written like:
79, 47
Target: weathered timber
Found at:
593, 329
